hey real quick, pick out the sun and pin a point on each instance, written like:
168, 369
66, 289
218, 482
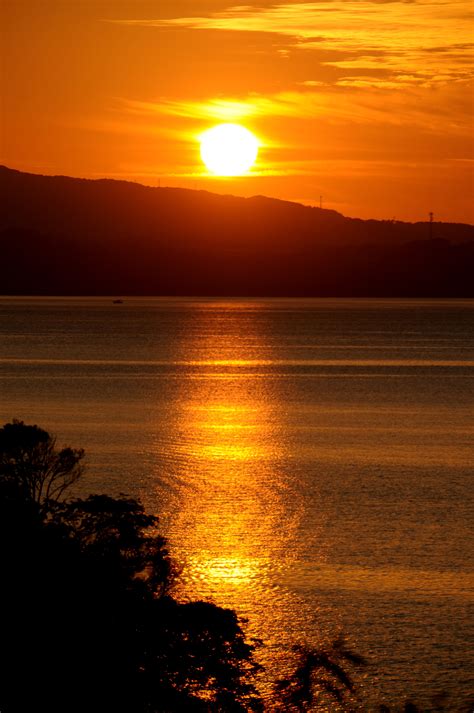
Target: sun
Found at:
228, 149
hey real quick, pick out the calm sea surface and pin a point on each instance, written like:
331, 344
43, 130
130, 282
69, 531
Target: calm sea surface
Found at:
311, 460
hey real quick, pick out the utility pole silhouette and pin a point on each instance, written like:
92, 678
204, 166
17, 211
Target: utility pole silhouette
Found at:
431, 224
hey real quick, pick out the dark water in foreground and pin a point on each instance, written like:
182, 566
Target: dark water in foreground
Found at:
311, 459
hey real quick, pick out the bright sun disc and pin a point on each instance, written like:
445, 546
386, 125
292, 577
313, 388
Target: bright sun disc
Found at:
228, 149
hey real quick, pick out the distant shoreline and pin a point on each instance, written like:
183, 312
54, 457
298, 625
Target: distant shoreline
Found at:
86, 237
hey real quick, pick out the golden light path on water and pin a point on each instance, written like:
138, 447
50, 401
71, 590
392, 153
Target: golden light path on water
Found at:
236, 519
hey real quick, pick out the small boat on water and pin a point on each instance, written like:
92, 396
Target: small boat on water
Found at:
117, 302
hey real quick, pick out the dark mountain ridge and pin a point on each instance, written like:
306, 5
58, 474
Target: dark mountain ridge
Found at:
61, 235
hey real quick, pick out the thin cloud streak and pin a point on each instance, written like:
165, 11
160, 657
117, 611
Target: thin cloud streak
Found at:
332, 106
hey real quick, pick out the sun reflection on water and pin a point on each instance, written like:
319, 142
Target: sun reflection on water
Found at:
235, 525
231, 570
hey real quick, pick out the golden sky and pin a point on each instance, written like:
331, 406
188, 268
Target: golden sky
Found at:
368, 104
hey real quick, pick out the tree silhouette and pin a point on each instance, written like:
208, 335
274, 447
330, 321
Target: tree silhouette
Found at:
28, 456
88, 619
321, 677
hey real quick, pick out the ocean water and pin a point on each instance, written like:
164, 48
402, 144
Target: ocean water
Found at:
310, 460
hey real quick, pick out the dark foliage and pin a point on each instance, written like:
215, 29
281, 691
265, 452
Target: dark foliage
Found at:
30, 460
321, 677
88, 622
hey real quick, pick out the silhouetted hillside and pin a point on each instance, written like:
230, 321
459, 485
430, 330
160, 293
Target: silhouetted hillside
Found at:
63, 235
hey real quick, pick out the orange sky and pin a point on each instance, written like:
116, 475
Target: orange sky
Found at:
367, 103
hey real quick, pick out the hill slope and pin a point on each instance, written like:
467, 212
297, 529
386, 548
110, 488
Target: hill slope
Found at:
62, 235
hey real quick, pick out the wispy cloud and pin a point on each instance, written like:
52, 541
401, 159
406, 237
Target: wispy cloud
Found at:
232, 109
329, 105
432, 36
